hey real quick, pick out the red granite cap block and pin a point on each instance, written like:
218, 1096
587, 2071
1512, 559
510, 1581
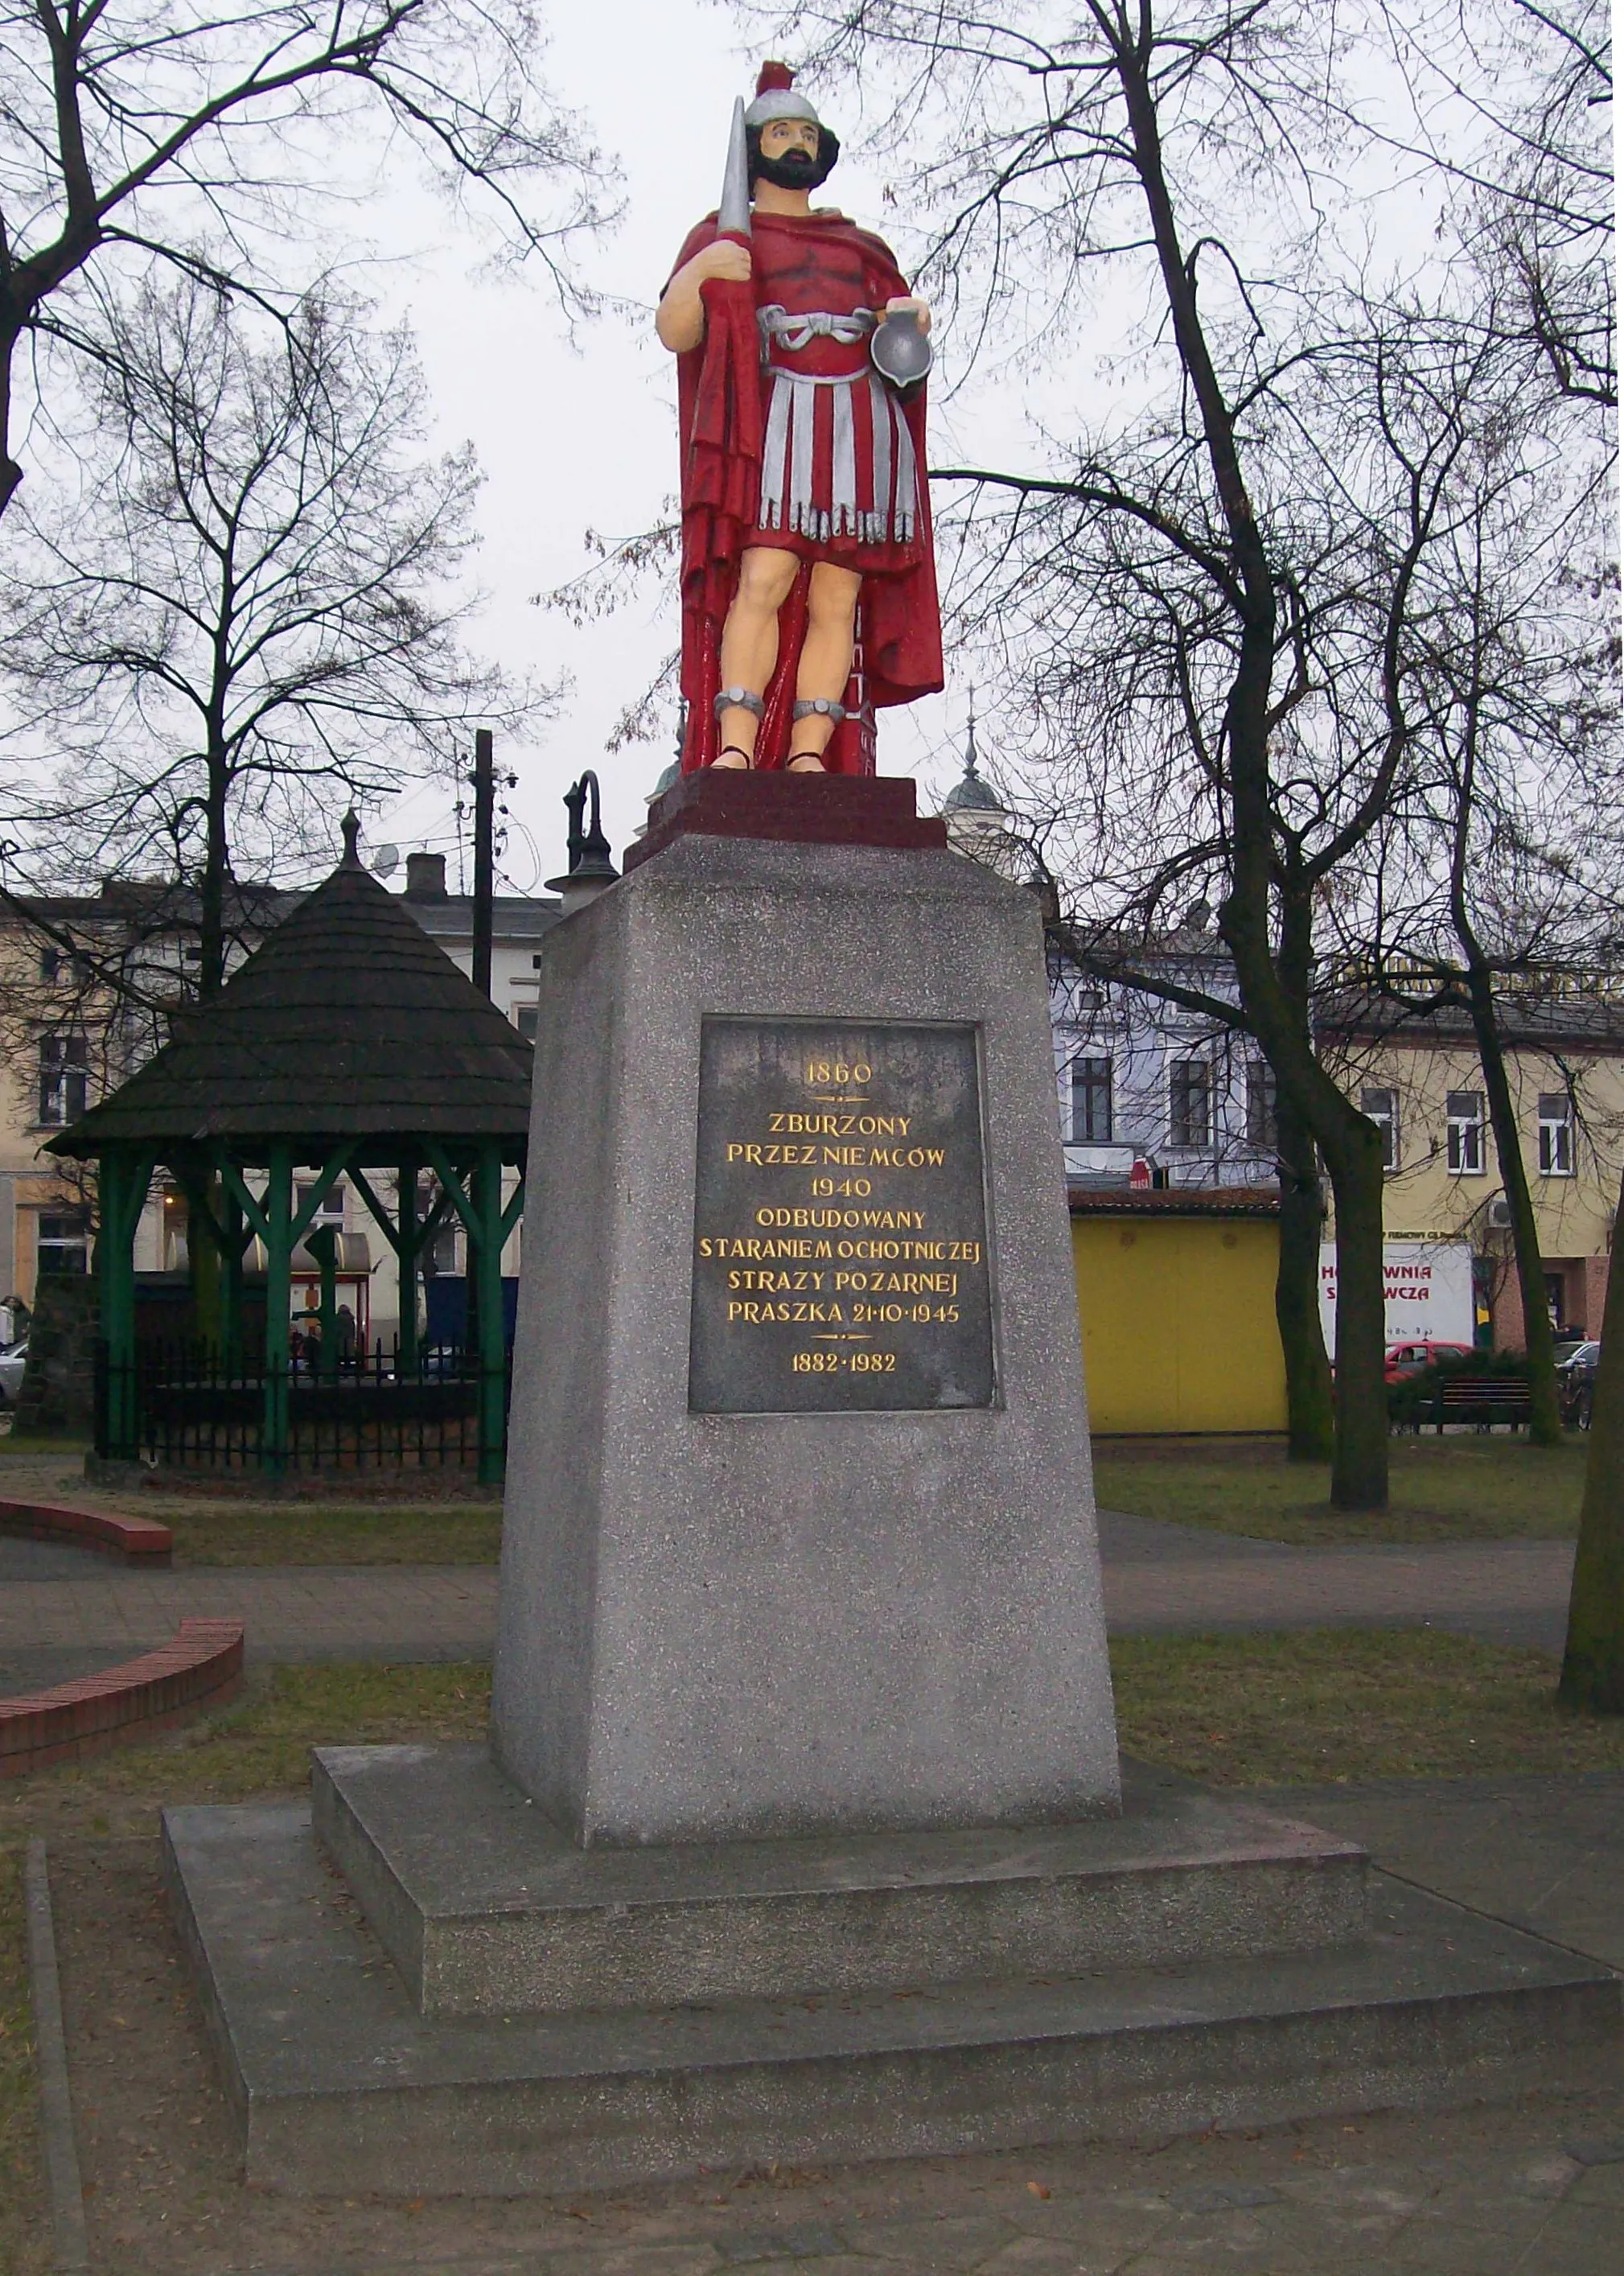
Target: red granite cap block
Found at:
803, 809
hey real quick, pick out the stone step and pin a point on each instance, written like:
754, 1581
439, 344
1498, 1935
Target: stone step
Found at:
340, 2086
487, 1909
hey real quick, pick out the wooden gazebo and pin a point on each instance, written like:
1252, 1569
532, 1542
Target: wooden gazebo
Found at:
348, 1045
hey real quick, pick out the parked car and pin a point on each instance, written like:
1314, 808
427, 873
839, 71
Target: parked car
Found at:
1412, 1358
1576, 1386
13, 1359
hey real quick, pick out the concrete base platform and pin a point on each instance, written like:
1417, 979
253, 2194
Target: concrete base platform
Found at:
340, 2085
487, 1909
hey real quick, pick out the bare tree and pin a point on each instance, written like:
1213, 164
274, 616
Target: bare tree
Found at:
251, 614
1523, 89
1144, 133
1509, 661
179, 131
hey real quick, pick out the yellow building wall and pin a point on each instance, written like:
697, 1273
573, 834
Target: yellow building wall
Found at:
1178, 1323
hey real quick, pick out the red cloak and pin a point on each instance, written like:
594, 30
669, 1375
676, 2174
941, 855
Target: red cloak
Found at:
824, 262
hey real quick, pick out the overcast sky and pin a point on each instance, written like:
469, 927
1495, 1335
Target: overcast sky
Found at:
583, 435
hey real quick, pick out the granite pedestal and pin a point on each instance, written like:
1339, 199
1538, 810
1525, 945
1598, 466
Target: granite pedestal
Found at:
716, 1623
803, 1835
1204, 1966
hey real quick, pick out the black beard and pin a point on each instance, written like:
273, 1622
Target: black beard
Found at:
798, 170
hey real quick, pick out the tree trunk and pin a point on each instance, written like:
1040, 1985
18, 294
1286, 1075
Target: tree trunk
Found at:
11, 473
1309, 1414
203, 1262
1359, 1466
1544, 1419
1592, 1676
211, 897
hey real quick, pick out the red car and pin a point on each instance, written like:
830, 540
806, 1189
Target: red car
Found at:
1410, 1359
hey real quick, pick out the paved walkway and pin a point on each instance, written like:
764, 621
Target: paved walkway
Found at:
1504, 1591
64, 1611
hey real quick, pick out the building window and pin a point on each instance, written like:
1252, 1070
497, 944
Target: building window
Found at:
1190, 1117
1091, 1102
1556, 1134
525, 1019
64, 1072
1464, 1108
64, 1243
1382, 1108
1261, 1124
332, 1211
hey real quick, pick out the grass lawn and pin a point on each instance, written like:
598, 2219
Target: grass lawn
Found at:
307, 1533
1325, 1705
1470, 1488
435, 1529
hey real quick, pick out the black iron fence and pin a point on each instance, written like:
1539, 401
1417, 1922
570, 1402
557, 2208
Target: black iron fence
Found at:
193, 1407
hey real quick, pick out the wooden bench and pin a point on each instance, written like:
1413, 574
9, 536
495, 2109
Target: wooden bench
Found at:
1483, 1400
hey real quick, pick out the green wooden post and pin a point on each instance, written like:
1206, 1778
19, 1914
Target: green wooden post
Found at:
120, 1210
279, 1289
405, 1260
231, 1326
487, 1200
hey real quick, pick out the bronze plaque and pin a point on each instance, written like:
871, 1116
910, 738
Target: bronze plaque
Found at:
841, 1220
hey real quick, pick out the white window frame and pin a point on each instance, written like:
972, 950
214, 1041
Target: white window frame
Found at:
74, 1241
1087, 1085
1386, 1117
63, 1080
1263, 1127
1183, 1069
1465, 1151
1556, 1134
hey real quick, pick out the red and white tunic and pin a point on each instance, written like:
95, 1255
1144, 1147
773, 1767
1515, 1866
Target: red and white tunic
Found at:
840, 474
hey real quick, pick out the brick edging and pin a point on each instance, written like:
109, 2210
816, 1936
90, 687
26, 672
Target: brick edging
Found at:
201, 1667
137, 1540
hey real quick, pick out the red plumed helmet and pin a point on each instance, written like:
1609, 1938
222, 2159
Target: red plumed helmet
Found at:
776, 98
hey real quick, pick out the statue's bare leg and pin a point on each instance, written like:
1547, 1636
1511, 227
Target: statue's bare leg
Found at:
825, 661
750, 645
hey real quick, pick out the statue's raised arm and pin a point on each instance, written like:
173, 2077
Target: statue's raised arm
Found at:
808, 583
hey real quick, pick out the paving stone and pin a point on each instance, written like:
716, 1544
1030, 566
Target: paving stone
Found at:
1088, 2253
810, 2240
1596, 2149
834, 2264
1453, 2248
1600, 2185
1578, 2240
962, 2243
1100, 2222
1223, 2196
1489, 2204
1233, 2257
1351, 2191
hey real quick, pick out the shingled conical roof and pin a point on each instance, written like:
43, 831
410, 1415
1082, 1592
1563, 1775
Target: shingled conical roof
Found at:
346, 1021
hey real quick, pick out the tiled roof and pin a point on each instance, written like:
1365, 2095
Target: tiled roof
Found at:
1173, 1201
346, 1021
